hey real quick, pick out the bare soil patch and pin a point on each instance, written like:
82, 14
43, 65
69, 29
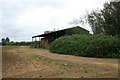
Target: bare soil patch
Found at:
24, 62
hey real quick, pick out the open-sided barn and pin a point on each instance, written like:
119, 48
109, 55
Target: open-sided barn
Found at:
48, 38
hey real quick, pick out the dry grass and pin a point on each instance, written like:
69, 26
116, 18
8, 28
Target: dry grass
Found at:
39, 63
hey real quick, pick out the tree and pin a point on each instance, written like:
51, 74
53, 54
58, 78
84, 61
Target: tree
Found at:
107, 20
3, 41
7, 40
46, 32
81, 21
96, 22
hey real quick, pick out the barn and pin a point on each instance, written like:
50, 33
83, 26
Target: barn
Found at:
46, 39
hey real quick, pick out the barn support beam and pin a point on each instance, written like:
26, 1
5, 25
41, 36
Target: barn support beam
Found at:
35, 43
32, 42
39, 42
56, 35
49, 38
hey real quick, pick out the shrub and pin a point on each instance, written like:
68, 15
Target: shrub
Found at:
87, 45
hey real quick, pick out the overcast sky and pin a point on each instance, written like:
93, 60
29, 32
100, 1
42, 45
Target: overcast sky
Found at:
22, 19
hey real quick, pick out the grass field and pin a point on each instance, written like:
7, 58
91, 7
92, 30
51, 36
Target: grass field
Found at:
25, 62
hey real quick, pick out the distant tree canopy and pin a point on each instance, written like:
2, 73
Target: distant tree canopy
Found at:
6, 41
3, 41
46, 32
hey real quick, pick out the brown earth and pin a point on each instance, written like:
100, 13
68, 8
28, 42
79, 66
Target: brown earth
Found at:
25, 62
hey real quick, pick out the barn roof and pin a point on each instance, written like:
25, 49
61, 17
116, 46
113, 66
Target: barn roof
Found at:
44, 35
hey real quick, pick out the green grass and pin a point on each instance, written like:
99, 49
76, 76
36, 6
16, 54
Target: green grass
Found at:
47, 59
42, 58
66, 65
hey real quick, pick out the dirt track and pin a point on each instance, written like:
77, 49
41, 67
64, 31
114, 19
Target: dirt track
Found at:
40, 63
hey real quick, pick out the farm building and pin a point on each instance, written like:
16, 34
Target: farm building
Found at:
46, 39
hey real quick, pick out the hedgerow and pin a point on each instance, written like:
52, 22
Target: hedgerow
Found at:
87, 45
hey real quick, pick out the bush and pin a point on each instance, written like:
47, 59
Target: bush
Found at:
87, 46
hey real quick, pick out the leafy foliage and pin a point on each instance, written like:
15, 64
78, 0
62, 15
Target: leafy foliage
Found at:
87, 45
106, 20
5, 41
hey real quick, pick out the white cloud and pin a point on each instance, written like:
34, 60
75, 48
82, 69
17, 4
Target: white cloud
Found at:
20, 0
50, 16
28, 1
114, 0
46, 16
37, 19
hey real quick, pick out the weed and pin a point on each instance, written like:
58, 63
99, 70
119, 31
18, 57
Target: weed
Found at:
40, 76
66, 69
82, 76
98, 74
86, 71
106, 69
62, 73
109, 74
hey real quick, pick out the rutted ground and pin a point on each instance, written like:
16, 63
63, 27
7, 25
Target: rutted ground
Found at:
36, 63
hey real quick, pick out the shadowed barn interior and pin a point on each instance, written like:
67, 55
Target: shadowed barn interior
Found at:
46, 39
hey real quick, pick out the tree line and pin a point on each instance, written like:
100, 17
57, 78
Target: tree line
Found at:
6, 41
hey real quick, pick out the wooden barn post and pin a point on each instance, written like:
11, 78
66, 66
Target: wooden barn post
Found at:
32, 42
35, 42
39, 42
56, 35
